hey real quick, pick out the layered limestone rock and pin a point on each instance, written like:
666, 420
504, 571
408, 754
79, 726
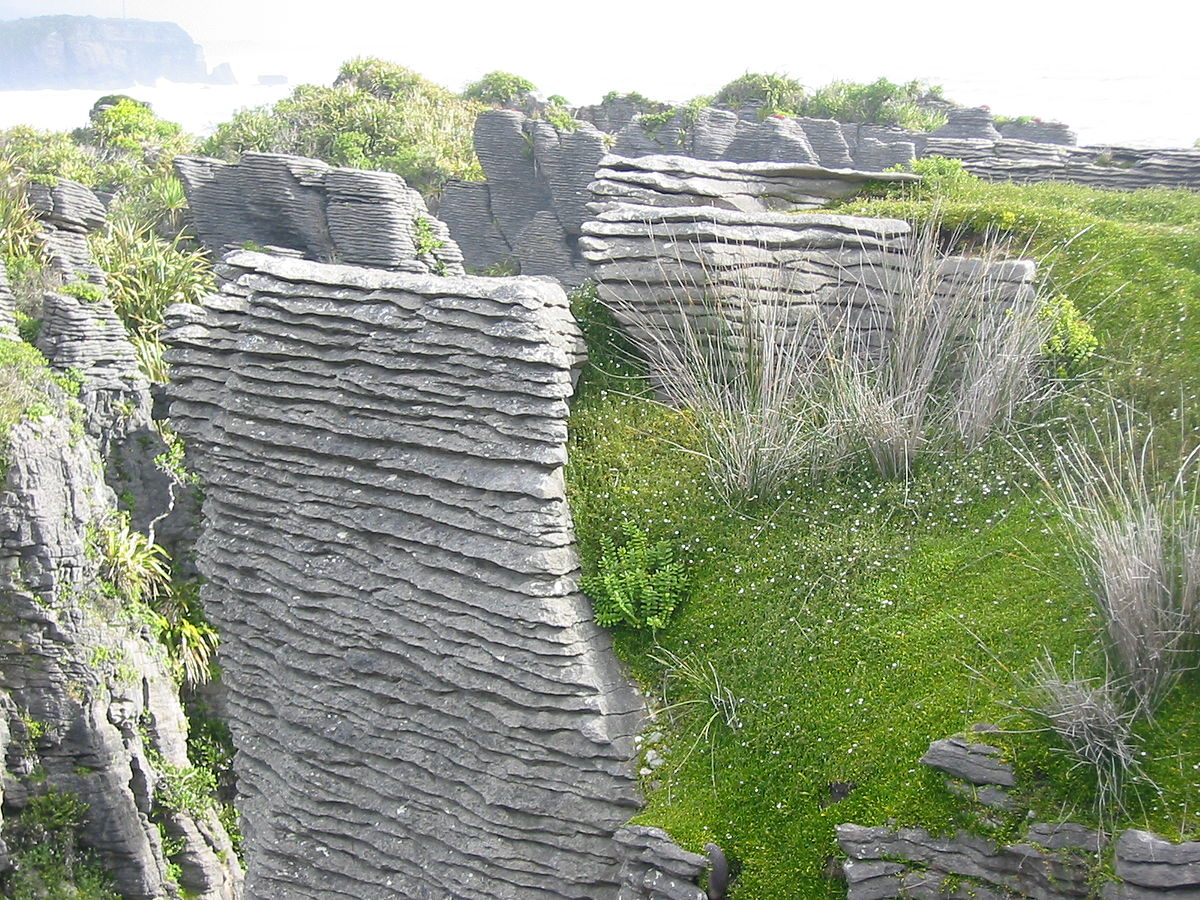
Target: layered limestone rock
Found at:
82, 336
421, 702
67, 211
324, 213
722, 270
1038, 132
88, 706
964, 865
529, 213
671, 181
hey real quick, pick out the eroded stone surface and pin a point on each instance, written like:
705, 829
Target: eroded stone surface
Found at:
324, 213
421, 702
90, 707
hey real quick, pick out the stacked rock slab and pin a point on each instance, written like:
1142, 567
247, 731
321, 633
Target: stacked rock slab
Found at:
88, 705
529, 213
716, 266
81, 334
679, 274
324, 213
748, 187
526, 215
67, 212
421, 702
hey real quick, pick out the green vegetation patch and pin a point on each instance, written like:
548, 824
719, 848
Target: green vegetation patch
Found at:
376, 115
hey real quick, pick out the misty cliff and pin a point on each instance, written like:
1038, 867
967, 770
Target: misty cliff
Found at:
90, 52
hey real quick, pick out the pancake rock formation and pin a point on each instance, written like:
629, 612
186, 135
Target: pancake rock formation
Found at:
421, 702
327, 214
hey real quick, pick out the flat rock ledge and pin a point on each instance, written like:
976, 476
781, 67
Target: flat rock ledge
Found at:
421, 702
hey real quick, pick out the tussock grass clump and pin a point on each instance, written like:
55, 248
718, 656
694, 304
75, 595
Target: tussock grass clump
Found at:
778, 390
1136, 536
961, 362
1093, 720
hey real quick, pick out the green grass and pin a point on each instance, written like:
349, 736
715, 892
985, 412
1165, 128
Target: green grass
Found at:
856, 620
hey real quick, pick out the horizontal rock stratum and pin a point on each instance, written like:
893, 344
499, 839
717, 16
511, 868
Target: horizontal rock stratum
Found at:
422, 705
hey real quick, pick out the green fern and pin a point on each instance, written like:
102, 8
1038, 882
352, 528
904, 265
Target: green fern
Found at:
638, 583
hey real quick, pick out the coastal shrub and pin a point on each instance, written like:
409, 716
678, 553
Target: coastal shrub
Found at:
147, 273
47, 861
636, 583
499, 89
123, 123
136, 569
26, 385
775, 93
880, 102
376, 114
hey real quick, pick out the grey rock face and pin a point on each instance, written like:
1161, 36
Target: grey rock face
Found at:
968, 123
531, 168
536, 194
8, 308
324, 213
1038, 132
713, 132
828, 140
67, 212
673, 181
654, 868
420, 700
90, 677
87, 339
1023, 869
1146, 860
972, 762
466, 208
771, 140
88, 52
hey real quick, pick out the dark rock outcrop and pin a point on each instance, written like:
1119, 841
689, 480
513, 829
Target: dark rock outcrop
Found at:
529, 213
89, 52
421, 702
532, 168
654, 868
88, 703
67, 211
326, 214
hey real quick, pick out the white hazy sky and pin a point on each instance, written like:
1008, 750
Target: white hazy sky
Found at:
1117, 73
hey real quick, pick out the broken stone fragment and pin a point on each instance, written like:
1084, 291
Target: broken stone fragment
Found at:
974, 763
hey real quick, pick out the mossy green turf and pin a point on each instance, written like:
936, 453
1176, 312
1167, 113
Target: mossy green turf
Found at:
857, 620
